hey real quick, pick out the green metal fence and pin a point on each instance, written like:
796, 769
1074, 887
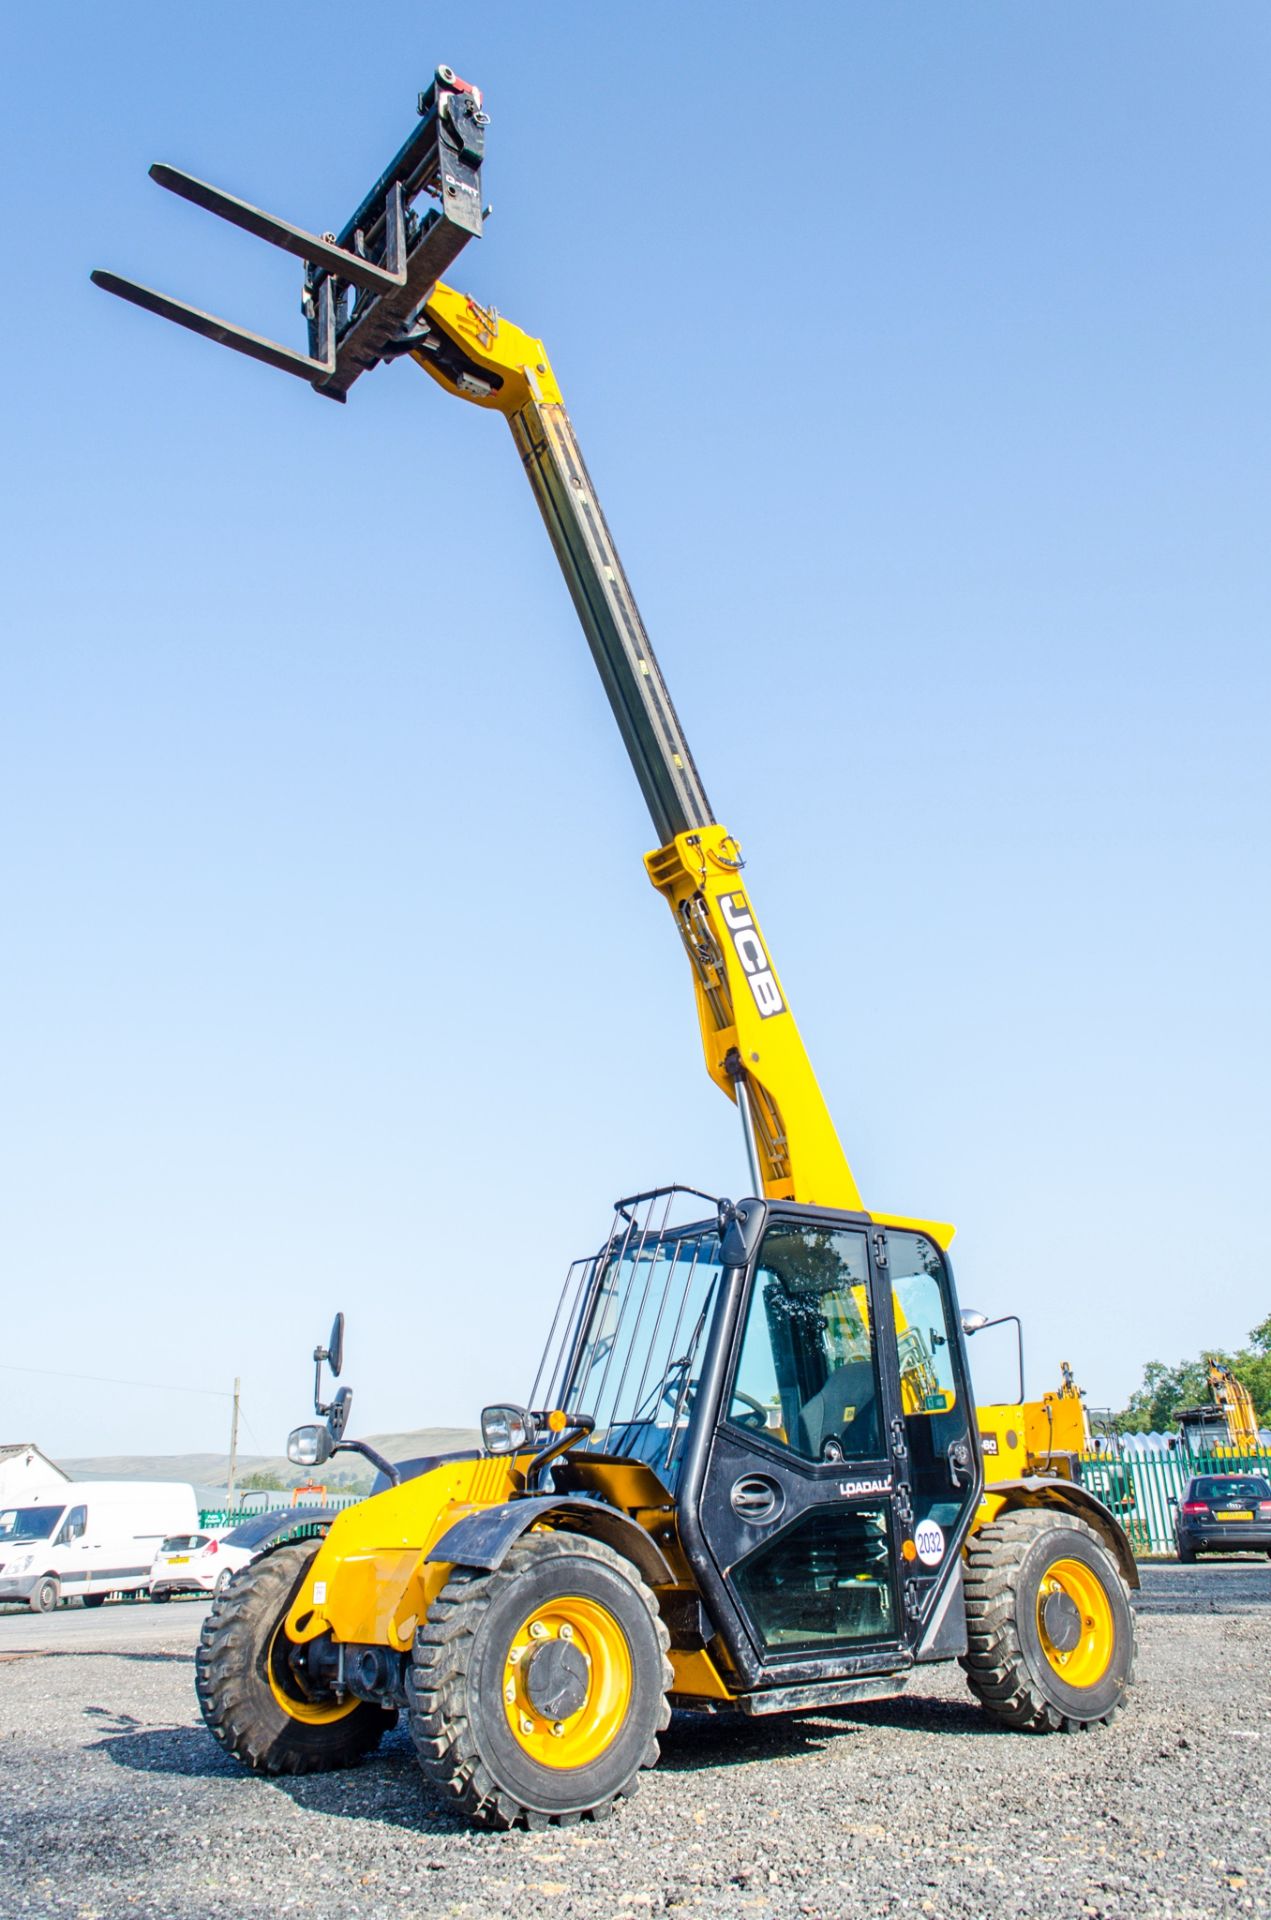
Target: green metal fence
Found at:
234, 1516
1143, 1489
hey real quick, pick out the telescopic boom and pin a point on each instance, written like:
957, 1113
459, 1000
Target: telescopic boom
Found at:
373, 293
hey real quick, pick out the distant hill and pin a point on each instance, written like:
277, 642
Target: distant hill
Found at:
212, 1469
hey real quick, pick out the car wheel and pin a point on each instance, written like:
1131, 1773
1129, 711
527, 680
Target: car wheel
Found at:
160, 1594
1186, 1556
45, 1594
94, 1599
223, 1579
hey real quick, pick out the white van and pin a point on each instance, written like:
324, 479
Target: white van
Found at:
90, 1537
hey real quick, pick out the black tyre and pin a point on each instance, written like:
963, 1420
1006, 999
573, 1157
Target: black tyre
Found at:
247, 1691
45, 1594
94, 1599
1187, 1556
1050, 1631
537, 1692
160, 1594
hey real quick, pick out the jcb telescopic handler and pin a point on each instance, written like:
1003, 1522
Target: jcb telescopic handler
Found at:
748, 1476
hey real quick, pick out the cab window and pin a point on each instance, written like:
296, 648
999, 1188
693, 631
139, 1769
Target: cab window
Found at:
806, 1376
927, 1382
73, 1527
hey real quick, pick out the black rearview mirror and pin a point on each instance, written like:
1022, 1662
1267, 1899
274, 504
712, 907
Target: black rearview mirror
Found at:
335, 1345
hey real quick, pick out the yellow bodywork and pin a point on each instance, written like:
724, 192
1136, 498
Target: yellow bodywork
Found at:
1236, 1402
369, 1581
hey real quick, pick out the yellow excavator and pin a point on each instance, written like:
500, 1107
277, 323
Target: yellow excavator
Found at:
1228, 1426
748, 1477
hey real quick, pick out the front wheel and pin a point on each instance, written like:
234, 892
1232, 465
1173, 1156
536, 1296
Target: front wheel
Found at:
1050, 1632
537, 1691
248, 1691
45, 1594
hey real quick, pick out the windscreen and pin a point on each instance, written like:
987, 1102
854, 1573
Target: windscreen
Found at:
1227, 1490
629, 1333
28, 1523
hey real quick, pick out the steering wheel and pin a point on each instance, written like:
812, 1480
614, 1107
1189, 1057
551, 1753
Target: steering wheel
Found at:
755, 1420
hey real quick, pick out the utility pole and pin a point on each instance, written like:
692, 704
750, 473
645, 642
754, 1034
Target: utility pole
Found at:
233, 1447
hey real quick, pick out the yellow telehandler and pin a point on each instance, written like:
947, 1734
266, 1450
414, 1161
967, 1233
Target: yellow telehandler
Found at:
748, 1477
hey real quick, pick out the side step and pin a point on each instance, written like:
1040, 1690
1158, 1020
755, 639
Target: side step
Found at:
830, 1693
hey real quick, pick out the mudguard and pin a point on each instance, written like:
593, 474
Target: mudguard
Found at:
1067, 1496
484, 1539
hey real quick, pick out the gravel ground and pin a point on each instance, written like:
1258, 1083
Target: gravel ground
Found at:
115, 1802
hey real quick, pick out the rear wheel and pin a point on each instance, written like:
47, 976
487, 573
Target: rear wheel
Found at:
1187, 1556
45, 1594
537, 1691
248, 1690
160, 1594
1050, 1632
94, 1599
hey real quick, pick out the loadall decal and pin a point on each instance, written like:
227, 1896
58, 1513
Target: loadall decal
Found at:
751, 952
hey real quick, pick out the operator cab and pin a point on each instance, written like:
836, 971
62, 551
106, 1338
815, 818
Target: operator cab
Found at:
796, 1380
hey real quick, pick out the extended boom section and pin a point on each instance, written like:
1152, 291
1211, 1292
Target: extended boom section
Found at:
751, 1042
372, 293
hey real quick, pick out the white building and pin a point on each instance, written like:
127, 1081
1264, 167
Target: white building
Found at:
23, 1468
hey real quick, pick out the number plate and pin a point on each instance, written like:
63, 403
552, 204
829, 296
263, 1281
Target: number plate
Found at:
180, 1559
1244, 1514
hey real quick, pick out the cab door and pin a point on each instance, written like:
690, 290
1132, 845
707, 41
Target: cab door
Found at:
936, 1462
798, 1499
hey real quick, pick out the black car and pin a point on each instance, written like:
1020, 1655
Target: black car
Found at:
1224, 1512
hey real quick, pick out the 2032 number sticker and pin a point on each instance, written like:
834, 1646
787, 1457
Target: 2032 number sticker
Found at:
929, 1543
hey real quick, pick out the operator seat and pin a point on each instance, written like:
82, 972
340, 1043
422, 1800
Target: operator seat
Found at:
846, 1410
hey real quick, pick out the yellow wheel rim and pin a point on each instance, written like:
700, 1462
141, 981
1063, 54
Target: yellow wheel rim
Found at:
294, 1705
1081, 1651
584, 1734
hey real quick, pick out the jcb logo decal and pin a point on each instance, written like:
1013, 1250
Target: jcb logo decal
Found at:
750, 951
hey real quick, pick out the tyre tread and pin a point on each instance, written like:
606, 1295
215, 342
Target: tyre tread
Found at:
436, 1684
994, 1662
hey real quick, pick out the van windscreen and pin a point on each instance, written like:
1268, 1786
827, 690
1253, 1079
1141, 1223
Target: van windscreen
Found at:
29, 1523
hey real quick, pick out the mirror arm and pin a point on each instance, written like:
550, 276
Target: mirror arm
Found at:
581, 1425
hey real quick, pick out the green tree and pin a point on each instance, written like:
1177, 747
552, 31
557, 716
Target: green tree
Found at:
1154, 1407
261, 1482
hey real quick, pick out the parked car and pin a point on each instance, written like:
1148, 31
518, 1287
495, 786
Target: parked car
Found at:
207, 1562
1224, 1512
91, 1537
194, 1563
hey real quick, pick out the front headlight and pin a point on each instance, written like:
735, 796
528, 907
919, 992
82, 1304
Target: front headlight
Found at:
506, 1429
22, 1563
309, 1446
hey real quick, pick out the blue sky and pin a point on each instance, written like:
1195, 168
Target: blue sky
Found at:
919, 355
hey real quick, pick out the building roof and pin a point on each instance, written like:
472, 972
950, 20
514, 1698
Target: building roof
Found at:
10, 1447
